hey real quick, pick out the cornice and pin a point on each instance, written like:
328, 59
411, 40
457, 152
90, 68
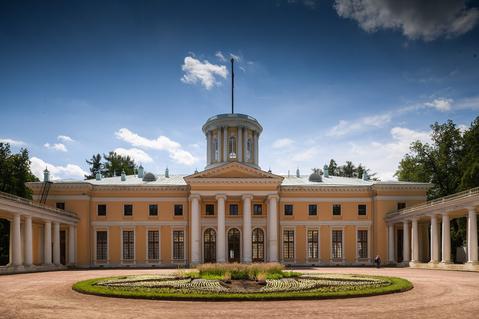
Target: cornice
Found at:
325, 188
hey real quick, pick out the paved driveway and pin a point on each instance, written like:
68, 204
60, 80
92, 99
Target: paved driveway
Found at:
437, 294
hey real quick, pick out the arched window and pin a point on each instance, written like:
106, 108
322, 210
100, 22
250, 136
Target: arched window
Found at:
217, 153
209, 250
232, 147
258, 245
248, 149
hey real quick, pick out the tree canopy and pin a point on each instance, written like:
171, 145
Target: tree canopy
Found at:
112, 165
349, 170
15, 171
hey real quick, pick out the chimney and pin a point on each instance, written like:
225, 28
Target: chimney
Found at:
326, 170
141, 171
98, 176
123, 176
46, 175
297, 173
167, 173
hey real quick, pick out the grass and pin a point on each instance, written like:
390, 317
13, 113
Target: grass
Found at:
89, 287
241, 271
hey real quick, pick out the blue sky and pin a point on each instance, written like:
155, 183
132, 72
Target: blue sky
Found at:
325, 79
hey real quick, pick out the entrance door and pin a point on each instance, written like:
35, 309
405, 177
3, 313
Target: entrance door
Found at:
234, 245
209, 249
399, 245
63, 255
258, 245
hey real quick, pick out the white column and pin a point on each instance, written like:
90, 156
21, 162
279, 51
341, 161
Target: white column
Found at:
71, 244
273, 228
208, 148
56, 243
16, 242
225, 144
391, 244
195, 230
28, 241
247, 245
434, 240
47, 246
221, 235
415, 241
406, 243
446, 239
239, 145
472, 235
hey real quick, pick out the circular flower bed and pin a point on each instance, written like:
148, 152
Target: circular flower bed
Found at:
191, 287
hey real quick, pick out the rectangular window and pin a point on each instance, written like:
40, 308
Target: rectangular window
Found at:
128, 245
401, 206
288, 210
101, 245
153, 210
178, 245
153, 245
362, 210
313, 244
210, 209
60, 206
313, 210
178, 210
336, 210
128, 210
233, 209
288, 244
362, 243
337, 242
101, 210
257, 209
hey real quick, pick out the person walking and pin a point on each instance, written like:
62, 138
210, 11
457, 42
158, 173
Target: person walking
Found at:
377, 261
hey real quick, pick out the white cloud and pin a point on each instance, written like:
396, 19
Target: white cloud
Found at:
138, 155
306, 155
220, 56
56, 172
162, 143
12, 142
65, 138
427, 20
236, 57
56, 146
442, 105
204, 72
345, 127
282, 143
471, 103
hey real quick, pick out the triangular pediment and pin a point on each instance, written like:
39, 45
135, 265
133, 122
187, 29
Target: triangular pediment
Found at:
233, 170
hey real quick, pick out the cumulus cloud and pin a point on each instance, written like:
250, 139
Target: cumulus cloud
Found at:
442, 105
282, 143
56, 147
425, 19
204, 73
306, 155
345, 127
138, 155
220, 56
69, 171
162, 143
65, 138
12, 142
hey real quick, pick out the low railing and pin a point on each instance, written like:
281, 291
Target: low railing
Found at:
456, 196
36, 204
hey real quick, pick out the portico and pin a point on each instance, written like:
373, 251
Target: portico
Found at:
29, 220
432, 220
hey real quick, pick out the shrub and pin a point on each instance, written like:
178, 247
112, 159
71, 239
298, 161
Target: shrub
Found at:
240, 271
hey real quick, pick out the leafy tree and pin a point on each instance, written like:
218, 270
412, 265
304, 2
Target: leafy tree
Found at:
113, 164
469, 164
349, 170
333, 168
96, 166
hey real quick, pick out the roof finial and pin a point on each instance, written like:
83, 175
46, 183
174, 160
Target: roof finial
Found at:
232, 86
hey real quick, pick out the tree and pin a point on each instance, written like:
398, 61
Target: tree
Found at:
333, 167
96, 166
113, 164
469, 164
349, 170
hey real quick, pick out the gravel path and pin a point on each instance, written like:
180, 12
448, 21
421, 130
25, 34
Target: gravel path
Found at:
437, 294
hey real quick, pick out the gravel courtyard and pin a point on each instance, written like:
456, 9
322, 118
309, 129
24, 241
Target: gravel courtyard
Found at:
436, 294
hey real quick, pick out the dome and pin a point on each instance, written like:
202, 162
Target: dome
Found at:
149, 177
316, 175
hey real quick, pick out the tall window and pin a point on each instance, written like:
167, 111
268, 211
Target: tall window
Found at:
258, 245
336, 210
153, 245
60, 206
101, 245
401, 206
313, 210
217, 153
248, 149
128, 245
362, 210
337, 243
209, 250
233, 209
128, 210
101, 210
257, 209
288, 244
210, 209
232, 147
153, 210
178, 210
362, 243
313, 244
178, 245
288, 210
